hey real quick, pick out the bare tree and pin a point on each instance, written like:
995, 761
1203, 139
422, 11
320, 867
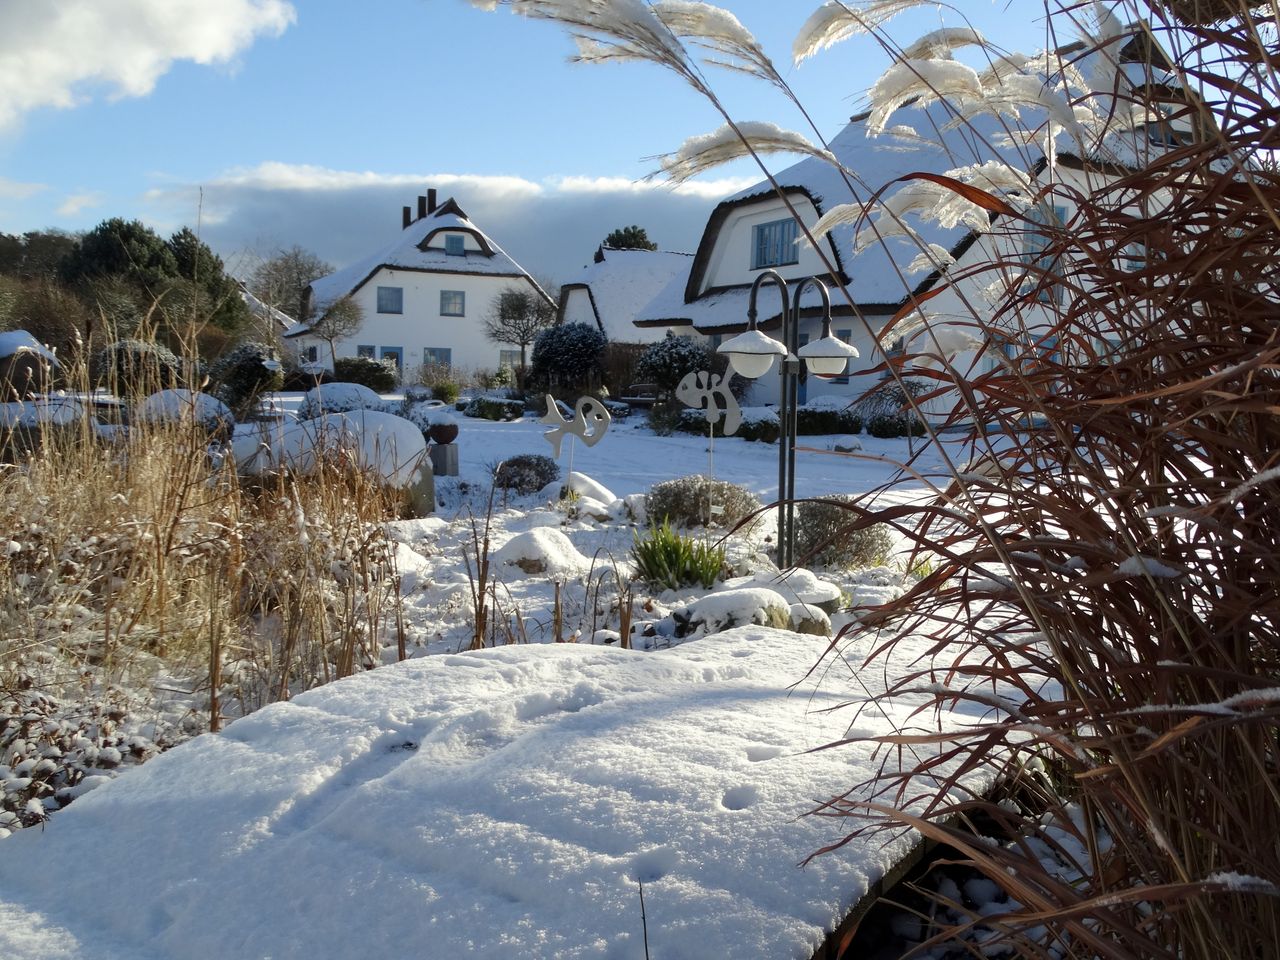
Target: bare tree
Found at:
280, 280
341, 320
517, 317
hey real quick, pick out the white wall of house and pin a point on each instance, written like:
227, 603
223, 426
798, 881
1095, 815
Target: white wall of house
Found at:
730, 262
421, 332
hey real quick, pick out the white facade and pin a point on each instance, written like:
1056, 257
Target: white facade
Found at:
427, 328
423, 298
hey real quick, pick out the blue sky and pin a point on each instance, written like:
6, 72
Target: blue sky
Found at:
313, 121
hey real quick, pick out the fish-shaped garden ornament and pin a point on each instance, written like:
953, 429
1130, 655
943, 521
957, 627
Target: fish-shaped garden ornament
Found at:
590, 422
710, 392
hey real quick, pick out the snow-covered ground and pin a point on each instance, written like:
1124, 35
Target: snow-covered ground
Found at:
505, 802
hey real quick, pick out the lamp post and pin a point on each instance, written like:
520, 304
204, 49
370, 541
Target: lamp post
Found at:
751, 354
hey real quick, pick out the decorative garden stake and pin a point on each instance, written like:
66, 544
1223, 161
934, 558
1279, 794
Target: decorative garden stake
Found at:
710, 392
590, 423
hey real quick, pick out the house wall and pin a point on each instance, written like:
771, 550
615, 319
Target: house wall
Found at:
421, 326
730, 261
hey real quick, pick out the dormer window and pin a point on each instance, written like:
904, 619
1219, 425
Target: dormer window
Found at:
774, 244
454, 245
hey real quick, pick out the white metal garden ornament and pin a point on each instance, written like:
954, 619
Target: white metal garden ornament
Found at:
590, 423
710, 392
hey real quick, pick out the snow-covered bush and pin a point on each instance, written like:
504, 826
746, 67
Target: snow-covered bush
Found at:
819, 420
241, 376
568, 355
688, 502
339, 398
51, 752
494, 408
825, 535
526, 473
185, 406
375, 374
133, 367
758, 423
666, 362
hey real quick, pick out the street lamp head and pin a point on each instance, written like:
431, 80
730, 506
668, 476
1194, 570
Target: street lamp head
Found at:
827, 356
751, 353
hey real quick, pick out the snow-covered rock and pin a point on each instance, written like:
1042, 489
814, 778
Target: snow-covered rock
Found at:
584, 486
798, 584
726, 609
387, 444
544, 551
41, 412
806, 618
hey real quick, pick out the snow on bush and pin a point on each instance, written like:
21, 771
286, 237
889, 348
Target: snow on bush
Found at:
546, 551
568, 354
185, 406
131, 367
51, 753
825, 535
798, 585
668, 361
687, 502
244, 374
55, 411
526, 473
494, 408
339, 398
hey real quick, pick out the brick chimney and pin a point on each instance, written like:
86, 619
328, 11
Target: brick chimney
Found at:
407, 217
431, 201
422, 207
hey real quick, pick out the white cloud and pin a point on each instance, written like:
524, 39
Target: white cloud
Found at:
74, 203
56, 53
16, 190
551, 227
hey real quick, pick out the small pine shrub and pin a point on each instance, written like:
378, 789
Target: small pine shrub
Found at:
825, 535
526, 473
494, 408
687, 502
243, 375
666, 415
374, 374
136, 367
887, 426
445, 391
665, 558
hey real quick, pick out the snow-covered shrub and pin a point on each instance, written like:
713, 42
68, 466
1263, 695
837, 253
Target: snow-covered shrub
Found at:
821, 420
430, 416
568, 355
339, 398
134, 367
688, 501
887, 410
526, 473
727, 609
494, 408
243, 375
52, 752
378, 376
666, 362
671, 560
825, 535
186, 406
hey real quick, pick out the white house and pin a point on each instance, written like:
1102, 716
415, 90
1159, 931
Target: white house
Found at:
423, 297
613, 289
756, 229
